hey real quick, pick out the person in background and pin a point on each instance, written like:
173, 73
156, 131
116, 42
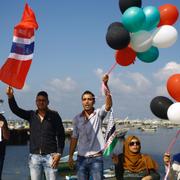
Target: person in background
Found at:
132, 165
174, 171
3, 139
47, 136
87, 134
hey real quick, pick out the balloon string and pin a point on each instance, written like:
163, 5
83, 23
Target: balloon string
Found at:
167, 171
112, 67
173, 142
104, 89
169, 150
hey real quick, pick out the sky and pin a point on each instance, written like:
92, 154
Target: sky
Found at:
71, 55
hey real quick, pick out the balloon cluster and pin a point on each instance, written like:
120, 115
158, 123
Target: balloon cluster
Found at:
142, 31
140, 34
163, 107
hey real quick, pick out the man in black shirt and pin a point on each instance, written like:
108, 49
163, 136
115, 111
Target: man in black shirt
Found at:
47, 137
4, 137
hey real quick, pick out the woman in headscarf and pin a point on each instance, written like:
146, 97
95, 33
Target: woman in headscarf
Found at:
132, 165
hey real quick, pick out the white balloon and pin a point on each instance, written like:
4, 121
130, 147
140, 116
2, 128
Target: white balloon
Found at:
141, 41
173, 113
165, 36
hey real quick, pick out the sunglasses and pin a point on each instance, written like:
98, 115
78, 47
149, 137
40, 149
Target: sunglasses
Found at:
134, 143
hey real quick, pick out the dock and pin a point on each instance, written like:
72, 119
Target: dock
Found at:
19, 129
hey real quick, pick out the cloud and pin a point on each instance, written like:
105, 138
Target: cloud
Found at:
140, 81
64, 96
63, 85
99, 72
118, 85
131, 92
127, 82
168, 70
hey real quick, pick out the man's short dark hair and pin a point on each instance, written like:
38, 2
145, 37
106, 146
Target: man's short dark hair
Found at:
87, 92
43, 93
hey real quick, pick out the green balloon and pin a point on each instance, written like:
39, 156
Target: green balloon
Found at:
133, 19
148, 56
152, 17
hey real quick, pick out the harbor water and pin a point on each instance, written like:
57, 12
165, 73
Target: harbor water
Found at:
153, 143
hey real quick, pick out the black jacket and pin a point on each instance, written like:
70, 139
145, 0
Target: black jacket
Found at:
47, 136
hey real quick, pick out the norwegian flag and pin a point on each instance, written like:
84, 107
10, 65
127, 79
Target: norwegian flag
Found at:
16, 67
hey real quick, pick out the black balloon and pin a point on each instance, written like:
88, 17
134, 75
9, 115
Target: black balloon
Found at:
114, 24
159, 106
117, 37
125, 4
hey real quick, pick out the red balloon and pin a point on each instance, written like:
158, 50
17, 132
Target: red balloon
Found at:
168, 14
173, 86
125, 57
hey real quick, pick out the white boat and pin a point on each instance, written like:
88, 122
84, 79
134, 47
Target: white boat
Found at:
170, 127
109, 174
148, 129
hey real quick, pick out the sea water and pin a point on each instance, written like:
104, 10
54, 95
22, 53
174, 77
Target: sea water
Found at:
153, 143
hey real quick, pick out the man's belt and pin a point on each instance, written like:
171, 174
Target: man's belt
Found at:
93, 155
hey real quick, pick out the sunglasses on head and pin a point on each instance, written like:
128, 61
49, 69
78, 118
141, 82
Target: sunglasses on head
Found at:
134, 143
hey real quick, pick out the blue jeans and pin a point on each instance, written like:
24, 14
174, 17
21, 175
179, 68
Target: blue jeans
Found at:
40, 164
90, 167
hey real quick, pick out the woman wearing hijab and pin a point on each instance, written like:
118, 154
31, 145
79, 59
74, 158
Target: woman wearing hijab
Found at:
132, 165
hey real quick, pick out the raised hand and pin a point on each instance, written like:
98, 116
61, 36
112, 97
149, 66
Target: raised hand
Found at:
9, 92
105, 79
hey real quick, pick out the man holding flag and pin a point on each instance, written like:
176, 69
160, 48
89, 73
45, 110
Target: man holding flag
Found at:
47, 136
88, 135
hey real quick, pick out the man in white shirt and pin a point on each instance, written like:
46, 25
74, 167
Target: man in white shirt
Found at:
87, 133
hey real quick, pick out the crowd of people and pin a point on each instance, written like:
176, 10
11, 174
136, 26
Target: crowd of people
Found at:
47, 141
